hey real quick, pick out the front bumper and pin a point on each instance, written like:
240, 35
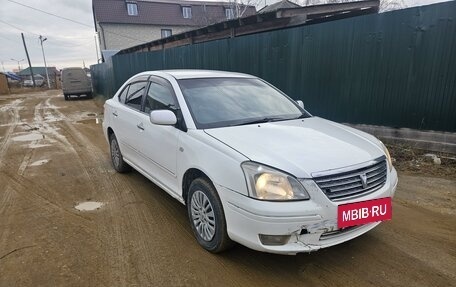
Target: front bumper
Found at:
311, 224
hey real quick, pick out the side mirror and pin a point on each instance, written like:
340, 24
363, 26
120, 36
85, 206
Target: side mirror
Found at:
163, 117
300, 103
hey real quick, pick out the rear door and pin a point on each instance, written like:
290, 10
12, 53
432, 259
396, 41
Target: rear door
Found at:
126, 116
75, 80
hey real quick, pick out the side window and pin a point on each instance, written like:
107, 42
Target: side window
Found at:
135, 93
123, 95
159, 97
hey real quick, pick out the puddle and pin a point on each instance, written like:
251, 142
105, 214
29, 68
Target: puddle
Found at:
84, 114
39, 162
90, 121
28, 137
29, 128
88, 206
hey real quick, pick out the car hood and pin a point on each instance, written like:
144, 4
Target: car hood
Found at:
301, 147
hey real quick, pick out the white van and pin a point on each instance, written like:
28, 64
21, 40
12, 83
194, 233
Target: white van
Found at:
75, 82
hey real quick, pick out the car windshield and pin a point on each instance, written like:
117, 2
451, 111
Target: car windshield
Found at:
222, 102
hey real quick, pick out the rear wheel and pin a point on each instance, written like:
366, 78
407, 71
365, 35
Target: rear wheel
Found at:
206, 215
116, 156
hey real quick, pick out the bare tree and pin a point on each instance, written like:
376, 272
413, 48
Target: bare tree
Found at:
389, 5
385, 5
240, 6
206, 18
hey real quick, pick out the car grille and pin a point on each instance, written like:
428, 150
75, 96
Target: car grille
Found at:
345, 184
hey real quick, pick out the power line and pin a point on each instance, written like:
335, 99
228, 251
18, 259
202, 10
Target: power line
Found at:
51, 14
17, 28
127, 37
6, 38
57, 38
71, 20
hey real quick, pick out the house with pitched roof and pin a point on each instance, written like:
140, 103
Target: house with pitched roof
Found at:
52, 72
125, 23
282, 4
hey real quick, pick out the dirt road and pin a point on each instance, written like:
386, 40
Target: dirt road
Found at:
53, 156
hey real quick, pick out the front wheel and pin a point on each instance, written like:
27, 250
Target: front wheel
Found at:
66, 97
206, 215
116, 156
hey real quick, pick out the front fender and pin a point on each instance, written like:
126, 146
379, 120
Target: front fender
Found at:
219, 162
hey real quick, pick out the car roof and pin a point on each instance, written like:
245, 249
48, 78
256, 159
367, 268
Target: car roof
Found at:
197, 74
72, 68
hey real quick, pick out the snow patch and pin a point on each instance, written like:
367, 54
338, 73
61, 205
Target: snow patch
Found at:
28, 137
14, 104
36, 145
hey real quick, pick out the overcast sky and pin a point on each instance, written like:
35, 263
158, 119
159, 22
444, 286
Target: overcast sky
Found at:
68, 43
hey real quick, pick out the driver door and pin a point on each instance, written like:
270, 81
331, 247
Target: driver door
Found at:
160, 143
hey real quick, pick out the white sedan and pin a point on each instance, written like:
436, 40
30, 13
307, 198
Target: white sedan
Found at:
251, 164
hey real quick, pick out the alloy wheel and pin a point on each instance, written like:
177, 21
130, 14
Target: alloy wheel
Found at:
203, 215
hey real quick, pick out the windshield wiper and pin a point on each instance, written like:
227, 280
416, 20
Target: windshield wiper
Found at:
303, 116
261, 121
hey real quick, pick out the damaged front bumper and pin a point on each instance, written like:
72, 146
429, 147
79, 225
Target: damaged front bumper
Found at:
305, 226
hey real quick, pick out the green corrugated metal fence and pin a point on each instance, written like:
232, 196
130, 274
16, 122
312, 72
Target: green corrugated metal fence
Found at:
394, 69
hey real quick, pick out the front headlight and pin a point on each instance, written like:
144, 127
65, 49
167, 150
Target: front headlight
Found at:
269, 184
388, 157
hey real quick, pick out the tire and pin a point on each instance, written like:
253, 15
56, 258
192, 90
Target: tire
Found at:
116, 156
66, 97
208, 224
89, 96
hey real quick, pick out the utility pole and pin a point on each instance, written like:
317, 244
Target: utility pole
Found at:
28, 58
3, 67
96, 48
18, 63
42, 39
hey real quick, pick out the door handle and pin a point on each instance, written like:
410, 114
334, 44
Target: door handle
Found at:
115, 113
140, 126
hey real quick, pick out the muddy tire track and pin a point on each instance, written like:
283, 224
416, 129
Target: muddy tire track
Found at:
117, 191
34, 193
95, 166
13, 111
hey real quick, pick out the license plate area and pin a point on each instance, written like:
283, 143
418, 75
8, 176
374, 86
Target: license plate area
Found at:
363, 212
